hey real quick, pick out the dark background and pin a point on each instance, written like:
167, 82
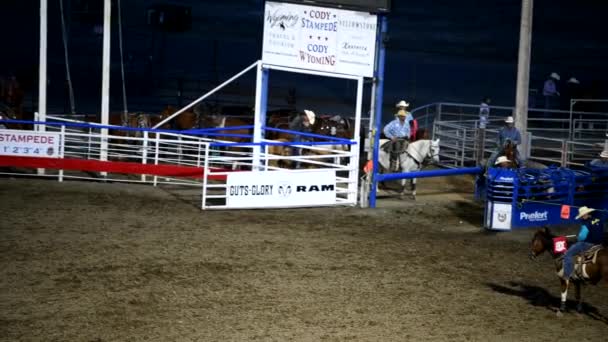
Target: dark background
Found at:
439, 50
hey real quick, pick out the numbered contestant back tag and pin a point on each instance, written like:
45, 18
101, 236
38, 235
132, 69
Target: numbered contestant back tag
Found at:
560, 245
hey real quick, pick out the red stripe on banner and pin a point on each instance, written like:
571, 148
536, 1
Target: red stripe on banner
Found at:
108, 166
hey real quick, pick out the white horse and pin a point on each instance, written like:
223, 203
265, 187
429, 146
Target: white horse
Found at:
417, 155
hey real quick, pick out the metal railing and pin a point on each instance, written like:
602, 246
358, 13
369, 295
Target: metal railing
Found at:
459, 146
585, 126
205, 162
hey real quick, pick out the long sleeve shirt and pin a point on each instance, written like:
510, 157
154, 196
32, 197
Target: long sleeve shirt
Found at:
592, 231
509, 134
550, 89
484, 109
396, 129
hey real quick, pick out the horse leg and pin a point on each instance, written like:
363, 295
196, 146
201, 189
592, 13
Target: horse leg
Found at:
414, 189
564, 297
402, 192
579, 300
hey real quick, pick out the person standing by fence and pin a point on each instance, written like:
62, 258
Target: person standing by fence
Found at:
484, 112
550, 93
484, 117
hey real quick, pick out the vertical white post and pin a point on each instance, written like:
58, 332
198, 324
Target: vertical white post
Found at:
62, 150
105, 83
42, 70
370, 133
156, 158
257, 128
523, 74
353, 173
144, 153
205, 175
42, 66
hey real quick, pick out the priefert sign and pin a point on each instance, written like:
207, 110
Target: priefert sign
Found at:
536, 216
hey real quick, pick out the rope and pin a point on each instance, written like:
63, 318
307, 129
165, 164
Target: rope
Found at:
551, 203
122, 66
67, 63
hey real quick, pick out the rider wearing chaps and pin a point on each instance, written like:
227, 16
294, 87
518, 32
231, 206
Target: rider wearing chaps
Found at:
398, 131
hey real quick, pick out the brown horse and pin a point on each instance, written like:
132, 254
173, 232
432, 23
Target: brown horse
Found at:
509, 151
592, 271
11, 92
10, 113
282, 151
202, 117
280, 118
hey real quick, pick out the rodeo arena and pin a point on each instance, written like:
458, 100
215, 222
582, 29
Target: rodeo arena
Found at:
207, 222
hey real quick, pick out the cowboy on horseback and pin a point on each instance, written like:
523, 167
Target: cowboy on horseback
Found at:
602, 161
507, 135
591, 234
503, 162
398, 131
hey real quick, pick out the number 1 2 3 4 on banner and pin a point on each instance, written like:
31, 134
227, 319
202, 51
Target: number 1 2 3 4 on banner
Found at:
29, 143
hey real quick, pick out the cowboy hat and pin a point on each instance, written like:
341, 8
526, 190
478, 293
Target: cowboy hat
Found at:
509, 119
402, 103
573, 80
401, 112
604, 154
554, 75
310, 115
582, 211
502, 159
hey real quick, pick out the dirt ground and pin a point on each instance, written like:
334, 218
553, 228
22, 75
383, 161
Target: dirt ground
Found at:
84, 261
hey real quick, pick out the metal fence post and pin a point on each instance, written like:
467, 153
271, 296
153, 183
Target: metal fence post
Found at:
464, 147
564, 158
438, 115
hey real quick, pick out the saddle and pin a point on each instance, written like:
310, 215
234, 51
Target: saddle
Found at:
386, 147
587, 257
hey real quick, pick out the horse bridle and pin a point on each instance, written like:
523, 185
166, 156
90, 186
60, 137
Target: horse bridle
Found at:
432, 154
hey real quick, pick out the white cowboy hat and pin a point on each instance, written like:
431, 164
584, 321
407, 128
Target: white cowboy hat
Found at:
582, 211
573, 80
554, 75
401, 112
310, 115
502, 159
604, 154
509, 119
402, 103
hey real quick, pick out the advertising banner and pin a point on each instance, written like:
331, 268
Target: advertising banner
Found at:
280, 189
29, 143
319, 38
501, 216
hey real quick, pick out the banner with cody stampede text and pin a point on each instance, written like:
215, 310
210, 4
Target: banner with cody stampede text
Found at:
29, 143
319, 38
280, 189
